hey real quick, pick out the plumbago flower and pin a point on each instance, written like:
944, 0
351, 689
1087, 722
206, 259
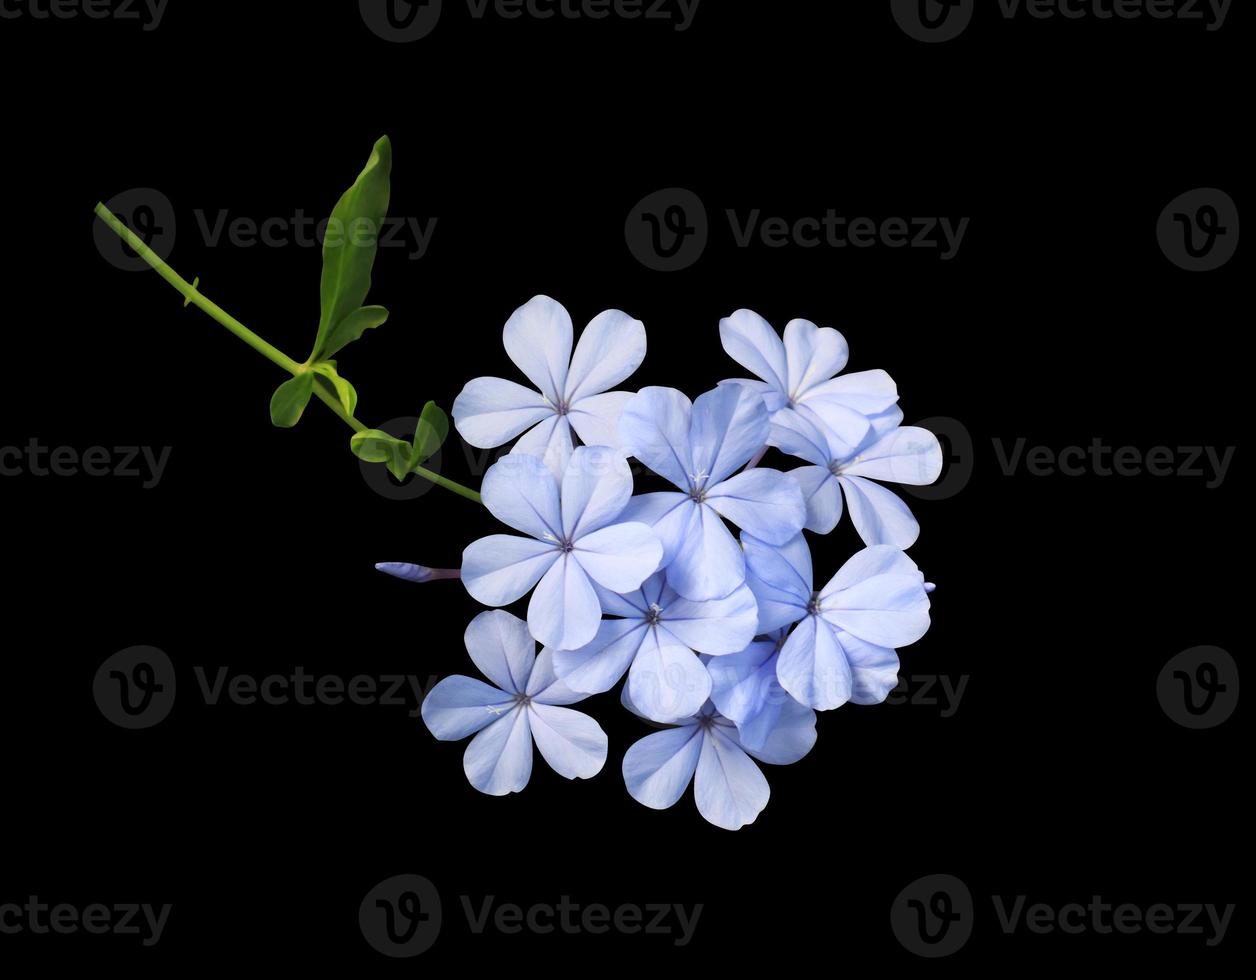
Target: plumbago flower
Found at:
698, 447
843, 648
573, 389
524, 707
728, 787
797, 376
657, 638
890, 451
574, 541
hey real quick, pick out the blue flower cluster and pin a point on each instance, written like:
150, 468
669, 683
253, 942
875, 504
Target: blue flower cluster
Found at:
724, 639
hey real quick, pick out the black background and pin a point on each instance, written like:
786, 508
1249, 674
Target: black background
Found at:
1059, 599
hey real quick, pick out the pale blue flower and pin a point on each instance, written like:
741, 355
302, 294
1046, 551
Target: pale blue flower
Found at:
574, 540
728, 787
746, 690
843, 648
697, 447
656, 639
890, 451
797, 375
523, 708
573, 389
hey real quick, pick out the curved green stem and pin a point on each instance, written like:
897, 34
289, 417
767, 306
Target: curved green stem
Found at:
192, 295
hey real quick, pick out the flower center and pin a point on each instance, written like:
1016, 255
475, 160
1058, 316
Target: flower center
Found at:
654, 615
813, 607
563, 407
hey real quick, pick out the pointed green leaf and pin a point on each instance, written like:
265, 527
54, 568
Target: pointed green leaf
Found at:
352, 327
431, 434
375, 446
338, 386
351, 241
290, 399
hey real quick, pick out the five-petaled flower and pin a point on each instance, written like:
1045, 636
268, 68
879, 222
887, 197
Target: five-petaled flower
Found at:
573, 389
698, 447
525, 706
843, 648
728, 787
657, 638
576, 539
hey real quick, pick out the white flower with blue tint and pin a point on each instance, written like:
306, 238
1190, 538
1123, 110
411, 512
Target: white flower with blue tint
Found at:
573, 389
575, 539
524, 707
657, 638
728, 787
698, 447
796, 375
891, 452
843, 648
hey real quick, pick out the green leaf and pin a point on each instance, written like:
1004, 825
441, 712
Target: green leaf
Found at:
290, 399
350, 243
344, 392
374, 446
431, 434
352, 327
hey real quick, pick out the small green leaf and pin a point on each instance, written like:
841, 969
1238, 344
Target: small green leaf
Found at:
344, 392
350, 243
431, 434
352, 327
374, 446
290, 399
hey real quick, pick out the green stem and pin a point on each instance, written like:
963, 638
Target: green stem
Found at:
192, 295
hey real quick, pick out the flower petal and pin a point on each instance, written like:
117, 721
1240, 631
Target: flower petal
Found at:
550, 442
812, 355
745, 690
750, 341
564, 611
797, 435
460, 706
498, 761
878, 596
823, 496
844, 430
780, 579
667, 682
729, 788
709, 563
501, 568
597, 485
874, 668
538, 339
610, 349
655, 428
658, 768
489, 412
519, 490
501, 646
910, 455
793, 736
866, 392
668, 514
879, 515
596, 417
598, 665
717, 626
619, 557
812, 666
546, 686
728, 426
571, 742
765, 503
